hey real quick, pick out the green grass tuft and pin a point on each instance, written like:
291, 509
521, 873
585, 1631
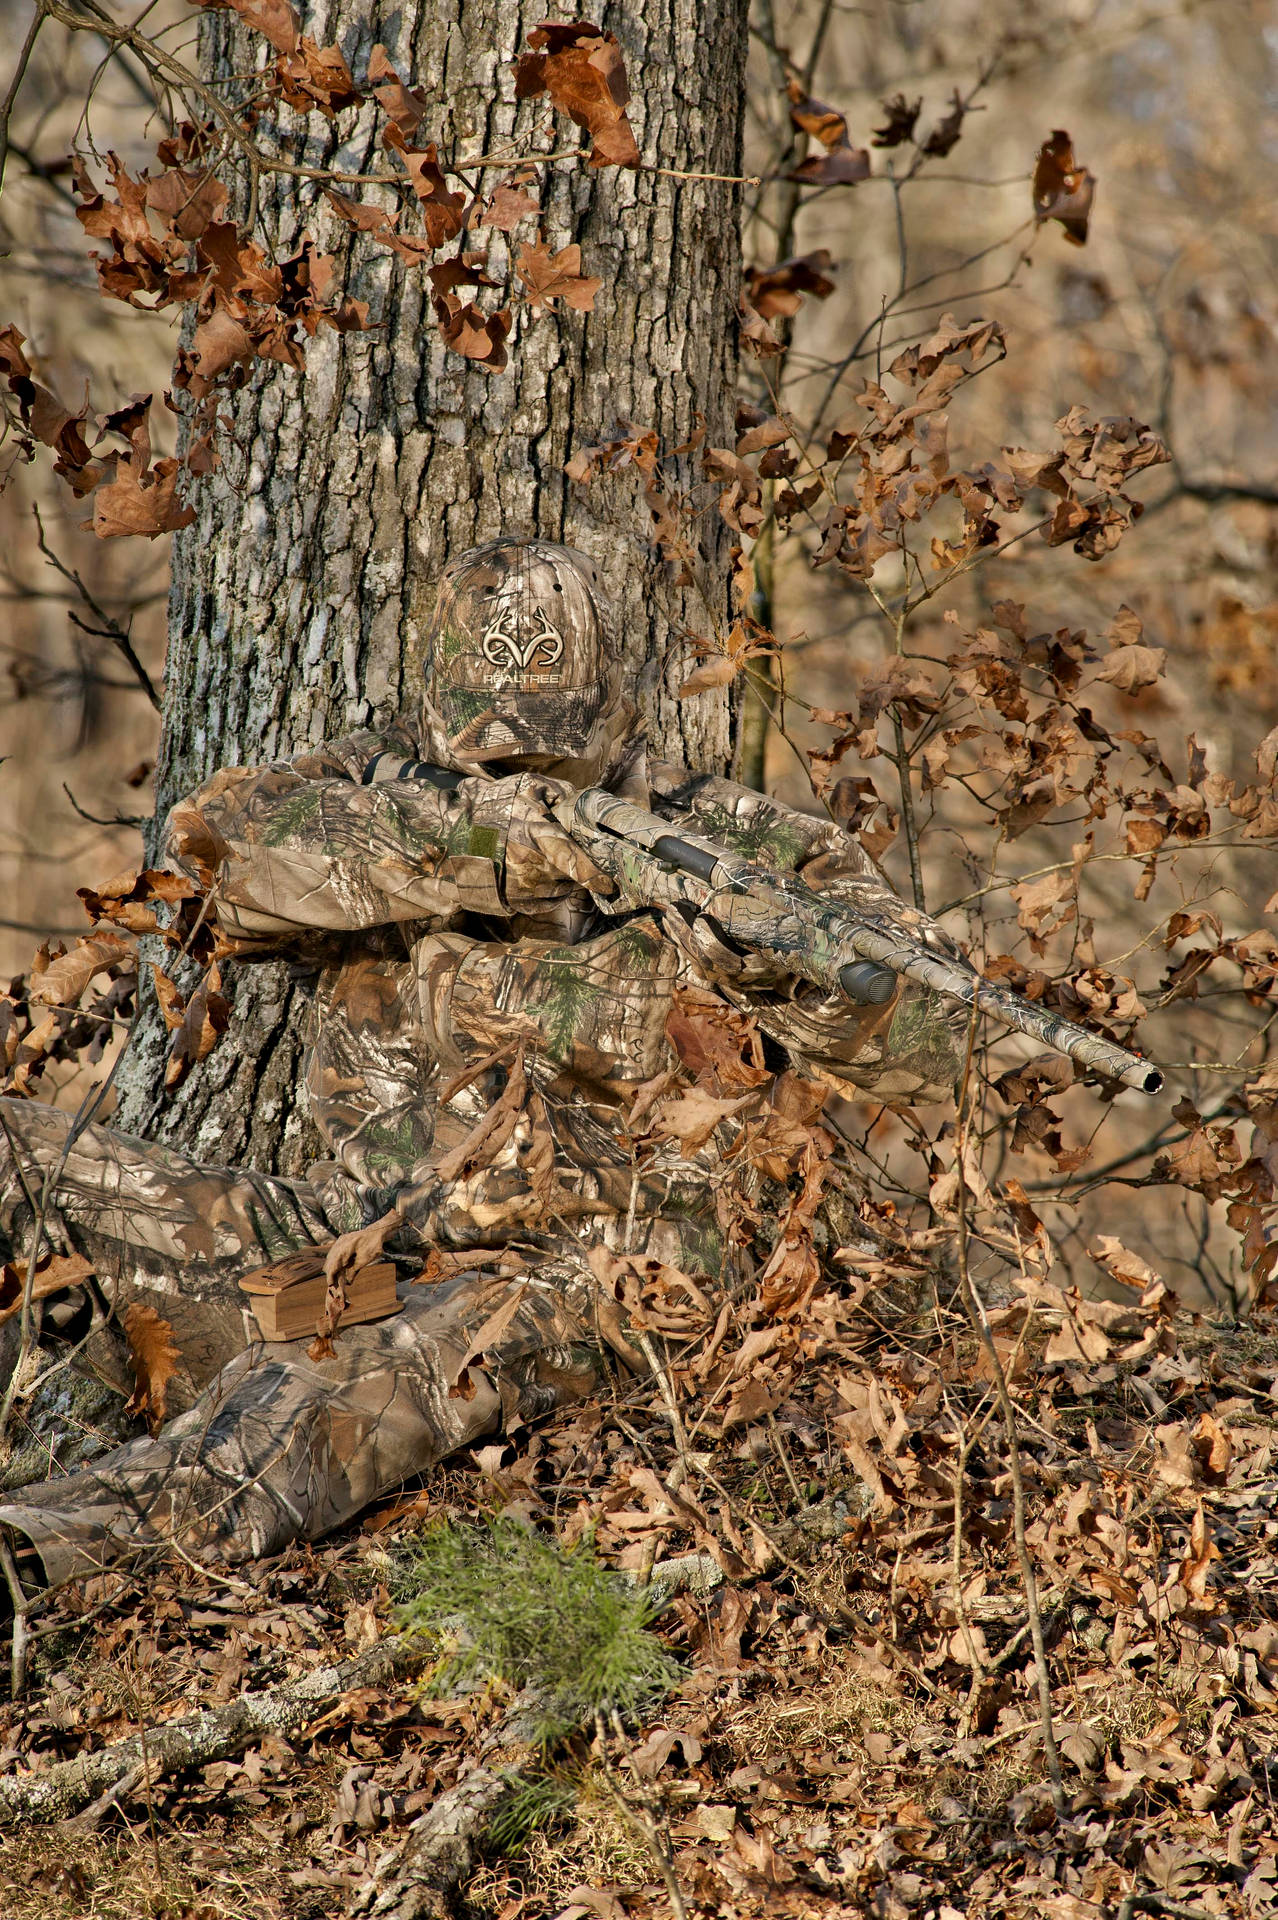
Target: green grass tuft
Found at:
508, 1604
532, 1804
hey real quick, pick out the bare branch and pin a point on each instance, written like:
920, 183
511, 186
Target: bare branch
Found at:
110, 628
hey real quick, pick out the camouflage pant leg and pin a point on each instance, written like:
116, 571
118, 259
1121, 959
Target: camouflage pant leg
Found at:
281, 1447
157, 1227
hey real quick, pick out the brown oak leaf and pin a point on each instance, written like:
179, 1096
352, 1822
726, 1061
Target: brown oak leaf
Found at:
485, 1337
1131, 668
45, 418
404, 106
825, 124
1062, 189
169, 999
219, 342
720, 1046
901, 117
1046, 903
762, 434
489, 1135
358, 213
477, 336
141, 500
197, 1027
717, 671
793, 1271
154, 1355
842, 164
975, 339
463, 270
316, 78
508, 204
347, 1256
54, 1273
275, 20
582, 69
693, 1117
442, 209
126, 899
188, 201
945, 134
778, 291
65, 979
555, 276
845, 167
757, 337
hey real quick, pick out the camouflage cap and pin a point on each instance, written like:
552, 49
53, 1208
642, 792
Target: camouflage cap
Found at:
521, 662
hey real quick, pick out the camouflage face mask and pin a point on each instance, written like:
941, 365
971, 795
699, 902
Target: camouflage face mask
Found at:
521, 665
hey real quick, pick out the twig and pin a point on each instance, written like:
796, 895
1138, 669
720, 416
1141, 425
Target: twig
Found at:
80, 1119
980, 1325
21, 1632
908, 822
759, 712
893, 306
842, 1613
42, 927
41, 170
1214, 493
753, 737
1004, 1654
685, 173
1159, 1903
111, 628
217, 1733
164, 68
779, 1448
104, 819
1000, 881
965, 1444
147, 1779
679, 1472
900, 753
439, 1850
19, 74
633, 1809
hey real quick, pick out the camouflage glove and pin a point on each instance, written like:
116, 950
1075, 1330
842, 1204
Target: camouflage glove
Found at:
541, 861
718, 959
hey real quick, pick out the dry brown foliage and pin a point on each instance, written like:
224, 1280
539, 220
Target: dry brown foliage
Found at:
859, 1727
857, 1724
169, 243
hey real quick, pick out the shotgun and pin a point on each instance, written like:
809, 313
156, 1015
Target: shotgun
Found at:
826, 940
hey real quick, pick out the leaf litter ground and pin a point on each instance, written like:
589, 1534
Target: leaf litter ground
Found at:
856, 1726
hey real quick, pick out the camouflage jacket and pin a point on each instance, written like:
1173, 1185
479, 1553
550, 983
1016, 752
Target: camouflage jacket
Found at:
475, 1049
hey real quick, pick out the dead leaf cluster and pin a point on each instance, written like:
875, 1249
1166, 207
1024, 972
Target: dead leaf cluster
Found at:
166, 239
857, 1721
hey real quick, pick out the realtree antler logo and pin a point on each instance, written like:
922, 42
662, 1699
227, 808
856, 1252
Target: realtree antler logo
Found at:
504, 648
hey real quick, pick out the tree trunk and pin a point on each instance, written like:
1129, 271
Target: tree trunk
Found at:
302, 594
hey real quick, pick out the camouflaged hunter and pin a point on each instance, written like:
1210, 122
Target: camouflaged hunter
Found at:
483, 1015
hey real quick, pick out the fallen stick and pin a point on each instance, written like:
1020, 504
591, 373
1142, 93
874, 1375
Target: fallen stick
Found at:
419, 1877
217, 1733
439, 1852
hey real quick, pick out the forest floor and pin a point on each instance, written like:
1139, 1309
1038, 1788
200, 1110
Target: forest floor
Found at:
858, 1724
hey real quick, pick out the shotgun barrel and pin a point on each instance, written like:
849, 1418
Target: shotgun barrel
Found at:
826, 940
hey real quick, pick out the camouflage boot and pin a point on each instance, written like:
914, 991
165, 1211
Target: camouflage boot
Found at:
281, 1447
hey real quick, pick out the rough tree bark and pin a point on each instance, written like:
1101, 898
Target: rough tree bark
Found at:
301, 594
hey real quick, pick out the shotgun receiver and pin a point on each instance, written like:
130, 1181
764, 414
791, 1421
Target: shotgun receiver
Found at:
827, 941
